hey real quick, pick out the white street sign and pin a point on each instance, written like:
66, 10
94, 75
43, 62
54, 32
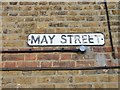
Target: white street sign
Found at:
65, 39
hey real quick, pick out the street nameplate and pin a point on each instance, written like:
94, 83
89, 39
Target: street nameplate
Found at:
65, 39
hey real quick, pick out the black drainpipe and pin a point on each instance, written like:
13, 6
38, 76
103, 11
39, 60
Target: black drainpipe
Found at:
43, 51
109, 29
59, 68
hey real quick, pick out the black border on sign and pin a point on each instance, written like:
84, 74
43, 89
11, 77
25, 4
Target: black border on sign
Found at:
65, 45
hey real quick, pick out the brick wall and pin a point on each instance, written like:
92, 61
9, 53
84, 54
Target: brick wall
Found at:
19, 19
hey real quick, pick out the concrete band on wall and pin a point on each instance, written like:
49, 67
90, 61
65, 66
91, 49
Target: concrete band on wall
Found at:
19, 19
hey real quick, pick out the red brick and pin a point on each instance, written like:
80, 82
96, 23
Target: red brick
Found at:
117, 55
12, 57
107, 56
27, 64
1, 64
76, 57
66, 57
30, 56
84, 63
64, 64
10, 64
47, 56
97, 49
118, 49
111, 63
46, 64
107, 49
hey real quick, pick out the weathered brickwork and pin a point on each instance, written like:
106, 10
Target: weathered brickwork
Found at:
60, 79
19, 19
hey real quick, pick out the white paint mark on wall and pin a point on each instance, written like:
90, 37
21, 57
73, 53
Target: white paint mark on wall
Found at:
101, 60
